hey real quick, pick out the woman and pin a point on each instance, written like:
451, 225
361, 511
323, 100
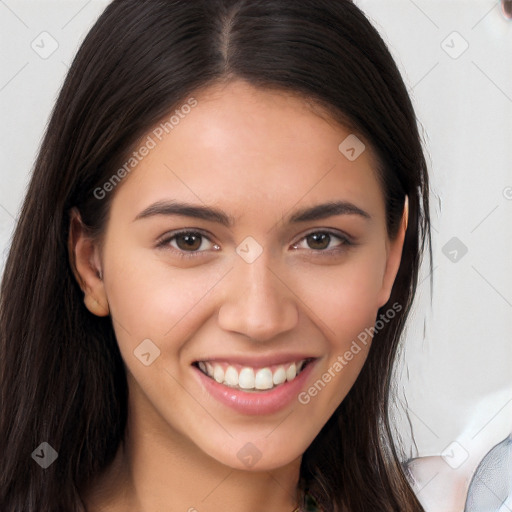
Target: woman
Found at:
215, 260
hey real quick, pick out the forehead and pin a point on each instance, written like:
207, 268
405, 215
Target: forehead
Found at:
264, 148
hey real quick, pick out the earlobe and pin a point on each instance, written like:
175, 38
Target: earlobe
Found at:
86, 266
95, 307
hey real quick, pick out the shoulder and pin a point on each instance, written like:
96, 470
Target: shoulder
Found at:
442, 488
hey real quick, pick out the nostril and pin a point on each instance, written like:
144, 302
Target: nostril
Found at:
506, 6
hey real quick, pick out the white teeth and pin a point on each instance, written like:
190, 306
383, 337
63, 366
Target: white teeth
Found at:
250, 379
231, 376
246, 378
291, 373
218, 374
263, 379
279, 376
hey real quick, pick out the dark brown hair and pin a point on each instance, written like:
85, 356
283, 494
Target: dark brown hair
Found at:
62, 376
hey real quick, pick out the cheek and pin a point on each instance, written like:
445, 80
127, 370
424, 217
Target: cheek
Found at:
347, 313
345, 297
149, 299
345, 303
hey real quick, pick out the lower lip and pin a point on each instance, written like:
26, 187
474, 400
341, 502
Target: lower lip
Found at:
260, 402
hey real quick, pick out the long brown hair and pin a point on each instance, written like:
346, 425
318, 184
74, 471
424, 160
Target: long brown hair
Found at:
62, 376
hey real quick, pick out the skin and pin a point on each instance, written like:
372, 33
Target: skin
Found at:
259, 156
438, 485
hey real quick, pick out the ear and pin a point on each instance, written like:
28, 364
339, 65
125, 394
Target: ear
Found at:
85, 261
394, 257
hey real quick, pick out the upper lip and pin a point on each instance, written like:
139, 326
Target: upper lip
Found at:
258, 361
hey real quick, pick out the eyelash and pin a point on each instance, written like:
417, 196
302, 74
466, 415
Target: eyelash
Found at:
345, 243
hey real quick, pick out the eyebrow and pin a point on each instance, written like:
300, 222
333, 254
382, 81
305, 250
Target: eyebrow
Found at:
319, 212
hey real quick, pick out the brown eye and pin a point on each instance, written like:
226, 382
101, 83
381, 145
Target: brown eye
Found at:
188, 241
319, 241
324, 243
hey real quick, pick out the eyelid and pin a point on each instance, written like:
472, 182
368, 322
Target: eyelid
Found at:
164, 241
343, 237
330, 231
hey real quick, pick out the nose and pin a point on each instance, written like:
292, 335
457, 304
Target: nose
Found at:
257, 302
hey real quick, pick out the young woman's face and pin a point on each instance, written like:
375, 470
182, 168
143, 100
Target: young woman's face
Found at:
280, 255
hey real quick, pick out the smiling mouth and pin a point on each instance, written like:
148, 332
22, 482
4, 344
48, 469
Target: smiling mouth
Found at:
246, 378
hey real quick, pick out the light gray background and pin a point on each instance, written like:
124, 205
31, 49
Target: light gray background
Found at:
455, 375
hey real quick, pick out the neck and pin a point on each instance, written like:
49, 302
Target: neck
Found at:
159, 469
